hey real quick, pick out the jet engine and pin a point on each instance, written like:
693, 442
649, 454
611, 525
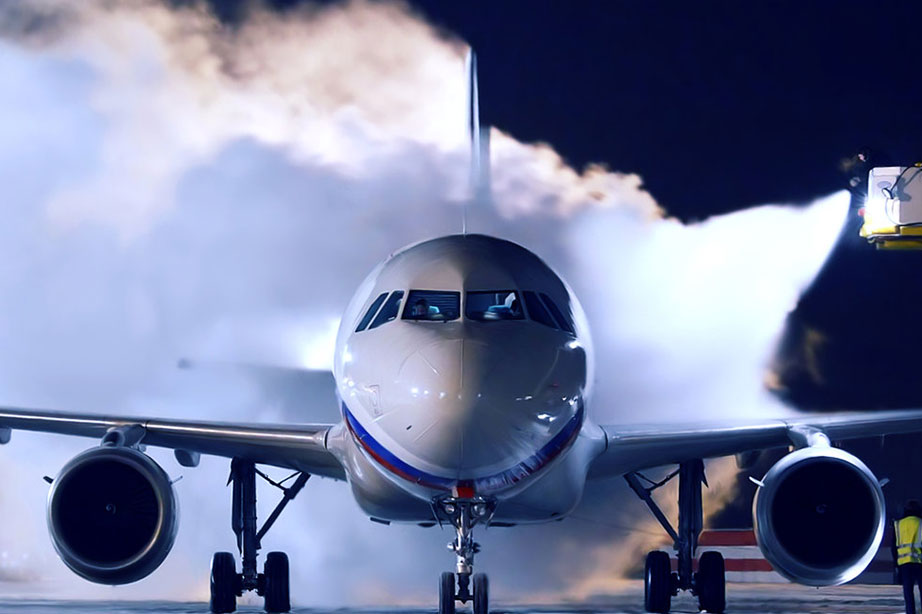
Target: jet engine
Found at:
112, 515
819, 516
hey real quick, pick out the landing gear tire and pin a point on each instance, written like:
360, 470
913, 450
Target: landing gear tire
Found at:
276, 589
224, 580
710, 583
657, 583
481, 594
447, 593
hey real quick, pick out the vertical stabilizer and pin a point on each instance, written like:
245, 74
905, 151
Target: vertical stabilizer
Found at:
479, 137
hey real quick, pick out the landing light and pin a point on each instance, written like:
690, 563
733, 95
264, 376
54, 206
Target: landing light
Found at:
480, 510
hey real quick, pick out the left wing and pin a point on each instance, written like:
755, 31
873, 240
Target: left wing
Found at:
301, 447
634, 447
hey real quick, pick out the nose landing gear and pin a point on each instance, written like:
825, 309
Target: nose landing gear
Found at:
464, 585
272, 584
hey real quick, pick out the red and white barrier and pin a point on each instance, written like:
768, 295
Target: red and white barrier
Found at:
744, 561
742, 558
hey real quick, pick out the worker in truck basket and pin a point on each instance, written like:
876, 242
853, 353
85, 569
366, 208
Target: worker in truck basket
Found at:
907, 536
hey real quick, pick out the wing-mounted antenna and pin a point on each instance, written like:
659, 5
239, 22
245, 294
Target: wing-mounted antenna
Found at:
480, 142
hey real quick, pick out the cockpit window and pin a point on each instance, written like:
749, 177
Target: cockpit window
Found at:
389, 311
372, 310
537, 310
492, 306
432, 305
564, 322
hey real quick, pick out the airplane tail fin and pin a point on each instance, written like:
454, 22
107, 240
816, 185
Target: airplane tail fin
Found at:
480, 140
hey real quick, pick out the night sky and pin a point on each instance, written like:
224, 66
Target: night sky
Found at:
718, 105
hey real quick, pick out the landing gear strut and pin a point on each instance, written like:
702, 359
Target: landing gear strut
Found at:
272, 584
463, 515
660, 583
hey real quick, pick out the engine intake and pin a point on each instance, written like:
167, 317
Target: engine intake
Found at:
819, 516
112, 515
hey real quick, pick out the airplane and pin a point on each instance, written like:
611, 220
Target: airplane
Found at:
463, 370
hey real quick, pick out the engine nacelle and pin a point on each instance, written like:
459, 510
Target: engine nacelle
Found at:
112, 515
819, 516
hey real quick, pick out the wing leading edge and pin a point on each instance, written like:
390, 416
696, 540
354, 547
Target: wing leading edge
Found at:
301, 447
635, 447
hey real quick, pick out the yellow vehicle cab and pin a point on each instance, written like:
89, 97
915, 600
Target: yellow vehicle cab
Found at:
893, 210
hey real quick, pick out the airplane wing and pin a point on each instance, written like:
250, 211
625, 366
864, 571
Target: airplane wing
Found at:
294, 392
635, 447
301, 447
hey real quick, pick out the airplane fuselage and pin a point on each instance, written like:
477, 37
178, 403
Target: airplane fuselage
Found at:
463, 367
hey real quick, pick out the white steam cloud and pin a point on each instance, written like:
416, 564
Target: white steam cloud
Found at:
175, 187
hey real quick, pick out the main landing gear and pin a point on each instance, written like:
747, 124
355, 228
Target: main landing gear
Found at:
272, 584
463, 515
660, 582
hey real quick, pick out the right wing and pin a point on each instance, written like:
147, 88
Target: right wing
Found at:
635, 447
301, 447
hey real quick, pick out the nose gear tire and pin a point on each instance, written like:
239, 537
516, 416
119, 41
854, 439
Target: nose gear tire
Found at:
447, 593
481, 594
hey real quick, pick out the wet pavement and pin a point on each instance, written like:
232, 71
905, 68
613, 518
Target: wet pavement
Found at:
748, 599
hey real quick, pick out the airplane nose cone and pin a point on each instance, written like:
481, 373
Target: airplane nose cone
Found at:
469, 407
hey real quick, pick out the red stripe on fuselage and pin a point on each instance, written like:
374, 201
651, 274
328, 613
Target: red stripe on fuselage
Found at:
384, 463
469, 486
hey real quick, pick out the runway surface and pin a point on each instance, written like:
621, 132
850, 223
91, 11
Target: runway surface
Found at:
749, 599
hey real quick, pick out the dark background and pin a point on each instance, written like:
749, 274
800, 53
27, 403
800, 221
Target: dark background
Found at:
720, 106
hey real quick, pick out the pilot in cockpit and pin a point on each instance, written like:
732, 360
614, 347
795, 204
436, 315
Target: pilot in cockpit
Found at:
420, 309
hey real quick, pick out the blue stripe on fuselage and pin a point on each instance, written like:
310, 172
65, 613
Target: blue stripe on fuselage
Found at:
509, 477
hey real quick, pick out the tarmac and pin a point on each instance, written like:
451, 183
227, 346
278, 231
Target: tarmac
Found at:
741, 598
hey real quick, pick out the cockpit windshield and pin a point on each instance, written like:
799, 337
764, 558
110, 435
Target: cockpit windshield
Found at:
389, 311
432, 305
492, 306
